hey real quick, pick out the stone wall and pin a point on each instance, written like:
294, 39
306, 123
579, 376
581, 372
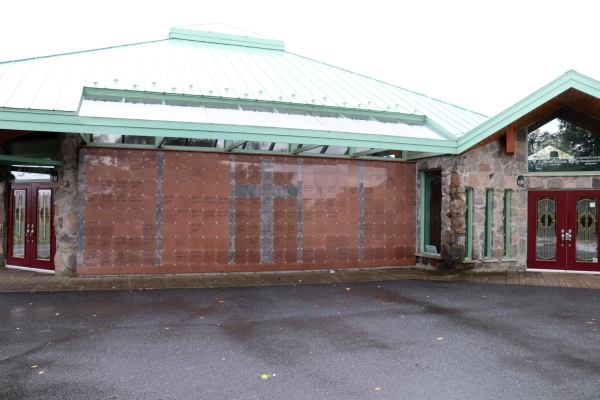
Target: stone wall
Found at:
487, 167
65, 204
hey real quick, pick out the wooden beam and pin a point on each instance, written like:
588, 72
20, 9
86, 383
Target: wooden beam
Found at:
510, 139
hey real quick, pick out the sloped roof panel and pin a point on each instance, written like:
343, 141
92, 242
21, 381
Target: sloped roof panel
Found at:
200, 68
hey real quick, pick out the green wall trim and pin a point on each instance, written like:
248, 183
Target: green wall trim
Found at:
489, 205
469, 225
15, 160
507, 194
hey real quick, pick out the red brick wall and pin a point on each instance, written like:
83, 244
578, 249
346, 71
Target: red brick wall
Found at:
198, 197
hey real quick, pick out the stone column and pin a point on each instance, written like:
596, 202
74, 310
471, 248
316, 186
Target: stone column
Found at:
453, 247
65, 204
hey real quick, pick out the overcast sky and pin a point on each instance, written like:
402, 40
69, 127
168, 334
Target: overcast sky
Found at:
481, 55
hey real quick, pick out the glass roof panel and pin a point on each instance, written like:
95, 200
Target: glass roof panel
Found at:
265, 117
301, 120
369, 125
226, 115
335, 122
280, 147
185, 111
230, 114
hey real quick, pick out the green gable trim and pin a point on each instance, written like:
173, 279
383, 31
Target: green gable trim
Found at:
571, 79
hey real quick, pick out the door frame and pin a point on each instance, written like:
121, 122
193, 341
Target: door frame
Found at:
30, 262
565, 200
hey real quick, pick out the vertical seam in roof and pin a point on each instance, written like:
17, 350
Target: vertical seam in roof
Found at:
451, 120
209, 48
236, 71
7, 68
143, 67
187, 58
297, 80
42, 83
62, 87
367, 88
326, 73
19, 84
206, 68
162, 79
316, 77
268, 76
254, 75
254, 55
175, 65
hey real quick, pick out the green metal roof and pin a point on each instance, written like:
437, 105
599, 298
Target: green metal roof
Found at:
200, 62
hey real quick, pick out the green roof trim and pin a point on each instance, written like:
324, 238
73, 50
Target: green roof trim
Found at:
570, 79
224, 38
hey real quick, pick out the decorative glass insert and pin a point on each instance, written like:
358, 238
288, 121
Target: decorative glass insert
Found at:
44, 224
545, 248
18, 228
565, 141
432, 211
586, 239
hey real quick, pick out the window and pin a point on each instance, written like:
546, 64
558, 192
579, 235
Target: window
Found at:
489, 200
468, 224
564, 141
431, 195
506, 217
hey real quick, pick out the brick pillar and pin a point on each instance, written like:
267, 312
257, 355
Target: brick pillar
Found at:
65, 204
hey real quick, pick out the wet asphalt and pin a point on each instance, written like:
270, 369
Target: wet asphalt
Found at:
376, 340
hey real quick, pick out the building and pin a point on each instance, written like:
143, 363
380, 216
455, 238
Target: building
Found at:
217, 150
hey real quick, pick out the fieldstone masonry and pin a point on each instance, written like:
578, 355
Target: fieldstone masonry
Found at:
487, 167
65, 204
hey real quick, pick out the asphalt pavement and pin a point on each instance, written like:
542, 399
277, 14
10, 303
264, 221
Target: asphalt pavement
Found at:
405, 339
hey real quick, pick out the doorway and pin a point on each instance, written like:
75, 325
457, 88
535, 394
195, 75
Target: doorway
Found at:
31, 240
563, 230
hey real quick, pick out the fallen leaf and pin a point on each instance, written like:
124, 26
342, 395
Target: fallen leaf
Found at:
201, 317
34, 366
223, 359
41, 372
591, 323
299, 280
93, 315
167, 328
57, 314
266, 376
377, 388
440, 338
347, 288
221, 301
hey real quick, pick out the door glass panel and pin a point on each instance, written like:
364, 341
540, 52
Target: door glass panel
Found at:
545, 249
586, 241
18, 229
43, 224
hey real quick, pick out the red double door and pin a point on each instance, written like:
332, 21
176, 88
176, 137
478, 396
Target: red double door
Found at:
31, 241
563, 230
